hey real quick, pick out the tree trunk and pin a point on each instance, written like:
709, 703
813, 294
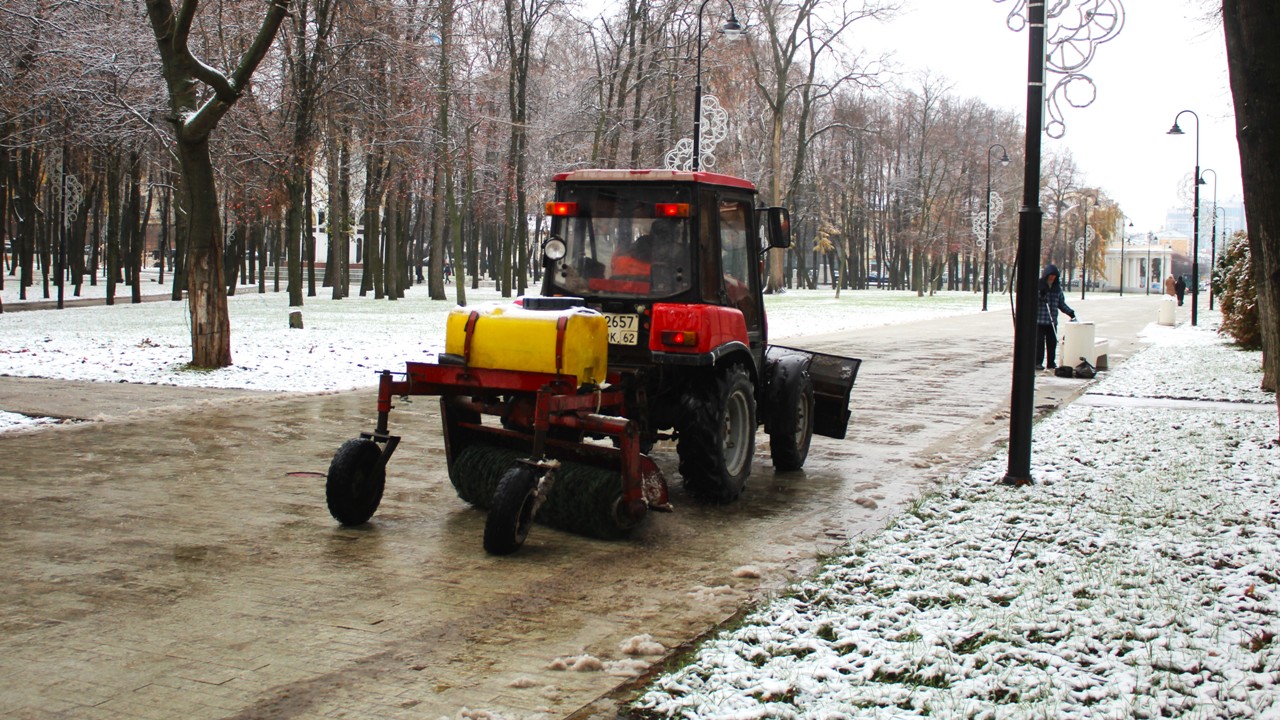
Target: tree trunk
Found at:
1253, 60
181, 227
206, 298
113, 228
135, 227
297, 189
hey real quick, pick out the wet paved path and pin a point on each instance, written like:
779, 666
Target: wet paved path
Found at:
174, 558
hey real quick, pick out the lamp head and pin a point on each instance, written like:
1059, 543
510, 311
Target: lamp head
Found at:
732, 29
1175, 130
1004, 161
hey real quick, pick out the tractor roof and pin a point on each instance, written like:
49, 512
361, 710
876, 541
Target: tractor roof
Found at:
623, 175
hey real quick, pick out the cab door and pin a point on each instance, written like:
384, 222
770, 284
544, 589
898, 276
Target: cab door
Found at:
739, 276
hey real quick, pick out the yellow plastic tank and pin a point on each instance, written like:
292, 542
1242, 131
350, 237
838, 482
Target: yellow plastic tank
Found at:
509, 337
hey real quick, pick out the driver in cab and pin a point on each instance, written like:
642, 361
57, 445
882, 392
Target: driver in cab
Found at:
635, 261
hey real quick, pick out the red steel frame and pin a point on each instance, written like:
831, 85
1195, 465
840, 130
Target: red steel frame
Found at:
557, 403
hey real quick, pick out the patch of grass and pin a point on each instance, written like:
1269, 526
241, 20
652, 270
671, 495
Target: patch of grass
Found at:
1260, 641
971, 644
800, 653
910, 679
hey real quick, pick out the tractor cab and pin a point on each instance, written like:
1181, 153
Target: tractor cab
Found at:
633, 242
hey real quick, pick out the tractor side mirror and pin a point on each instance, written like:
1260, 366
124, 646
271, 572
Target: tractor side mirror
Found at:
778, 227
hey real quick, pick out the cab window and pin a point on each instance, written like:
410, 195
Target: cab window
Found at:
620, 244
736, 258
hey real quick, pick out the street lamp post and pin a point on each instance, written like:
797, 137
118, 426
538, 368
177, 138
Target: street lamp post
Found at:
1148, 278
986, 241
1084, 241
1102, 26
1213, 228
1124, 240
732, 29
1195, 217
1213, 245
1022, 395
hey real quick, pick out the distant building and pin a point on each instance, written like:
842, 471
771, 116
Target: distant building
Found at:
1147, 261
1230, 218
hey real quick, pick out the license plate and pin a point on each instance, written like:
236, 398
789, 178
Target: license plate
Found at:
623, 329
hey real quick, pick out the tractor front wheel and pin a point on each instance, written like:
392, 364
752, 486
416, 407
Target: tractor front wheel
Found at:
718, 436
356, 479
511, 514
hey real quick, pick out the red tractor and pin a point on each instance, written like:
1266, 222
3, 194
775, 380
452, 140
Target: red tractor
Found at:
650, 325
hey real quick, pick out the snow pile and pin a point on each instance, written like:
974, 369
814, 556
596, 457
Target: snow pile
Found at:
1138, 578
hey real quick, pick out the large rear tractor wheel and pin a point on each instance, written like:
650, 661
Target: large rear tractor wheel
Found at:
718, 437
792, 429
511, 513
356, 479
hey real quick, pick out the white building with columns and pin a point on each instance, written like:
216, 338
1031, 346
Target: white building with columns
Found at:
1145, 265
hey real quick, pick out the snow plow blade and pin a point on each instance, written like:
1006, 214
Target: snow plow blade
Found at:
833, 377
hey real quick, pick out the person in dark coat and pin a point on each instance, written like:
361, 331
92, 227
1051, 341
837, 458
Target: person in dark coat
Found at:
1180, 288
1051, 301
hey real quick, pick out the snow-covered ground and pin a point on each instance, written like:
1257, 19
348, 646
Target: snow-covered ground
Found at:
343, 343
1140, 576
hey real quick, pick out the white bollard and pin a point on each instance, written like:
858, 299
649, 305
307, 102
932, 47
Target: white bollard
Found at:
1168, 306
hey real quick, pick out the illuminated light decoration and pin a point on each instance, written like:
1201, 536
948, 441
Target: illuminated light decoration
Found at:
715, 127
1082, 25
980, 227
671, 210
562, 209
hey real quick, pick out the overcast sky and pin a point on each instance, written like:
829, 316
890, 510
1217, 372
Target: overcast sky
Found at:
1168, 57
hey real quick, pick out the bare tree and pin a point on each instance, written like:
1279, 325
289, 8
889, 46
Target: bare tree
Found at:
1253, 59
199, 96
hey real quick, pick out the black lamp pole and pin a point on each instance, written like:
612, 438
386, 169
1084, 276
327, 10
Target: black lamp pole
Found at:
986, 241
1195, 217
1213, 247
1213, 228
1084, 240
1124, 240
1022, 397
1148, 280
731, 28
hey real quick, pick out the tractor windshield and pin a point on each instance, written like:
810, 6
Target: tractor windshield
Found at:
624, 242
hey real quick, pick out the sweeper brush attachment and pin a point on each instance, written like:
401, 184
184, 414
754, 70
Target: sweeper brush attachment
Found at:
581, 498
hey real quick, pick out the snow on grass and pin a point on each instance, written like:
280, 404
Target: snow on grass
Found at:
343, 343
1138, 578
1191, 362
814, 312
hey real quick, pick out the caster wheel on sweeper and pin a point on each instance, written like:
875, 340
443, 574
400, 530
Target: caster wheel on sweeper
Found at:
356, 480
511, 513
